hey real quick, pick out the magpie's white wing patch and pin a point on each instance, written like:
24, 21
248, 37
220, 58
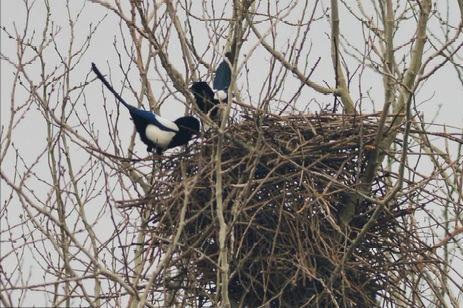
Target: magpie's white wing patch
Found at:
158, 136
166, 123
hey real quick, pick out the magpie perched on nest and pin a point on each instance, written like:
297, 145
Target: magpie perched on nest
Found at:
207, 99
156, 132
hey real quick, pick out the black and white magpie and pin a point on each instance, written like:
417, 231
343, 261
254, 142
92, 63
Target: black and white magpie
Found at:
208, 100
156, 132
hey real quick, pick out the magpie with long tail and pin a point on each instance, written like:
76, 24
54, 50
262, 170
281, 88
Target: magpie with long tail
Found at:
207, 100
156, 132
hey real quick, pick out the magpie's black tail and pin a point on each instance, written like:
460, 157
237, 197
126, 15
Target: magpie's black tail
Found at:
110, 88
222, 77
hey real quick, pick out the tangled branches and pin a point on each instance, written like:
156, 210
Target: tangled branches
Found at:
285, 182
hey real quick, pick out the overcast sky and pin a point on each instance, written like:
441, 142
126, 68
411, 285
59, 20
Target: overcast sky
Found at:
440, 99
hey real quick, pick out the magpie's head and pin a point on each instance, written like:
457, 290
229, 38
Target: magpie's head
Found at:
189, 126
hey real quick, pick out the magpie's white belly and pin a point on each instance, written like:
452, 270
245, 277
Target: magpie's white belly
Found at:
158, 136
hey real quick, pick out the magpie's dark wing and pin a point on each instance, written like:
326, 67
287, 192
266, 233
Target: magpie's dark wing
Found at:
166, 124
222, 77
149, 117
202, 90
204, 96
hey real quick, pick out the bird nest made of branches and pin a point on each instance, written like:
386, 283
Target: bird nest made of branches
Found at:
284, 184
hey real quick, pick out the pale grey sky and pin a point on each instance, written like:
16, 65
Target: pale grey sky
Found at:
440, 99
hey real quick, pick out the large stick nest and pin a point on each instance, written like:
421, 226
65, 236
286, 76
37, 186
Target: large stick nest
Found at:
285, 184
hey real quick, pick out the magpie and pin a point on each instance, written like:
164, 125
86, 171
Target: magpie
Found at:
156, 132
208, 100
204, 97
